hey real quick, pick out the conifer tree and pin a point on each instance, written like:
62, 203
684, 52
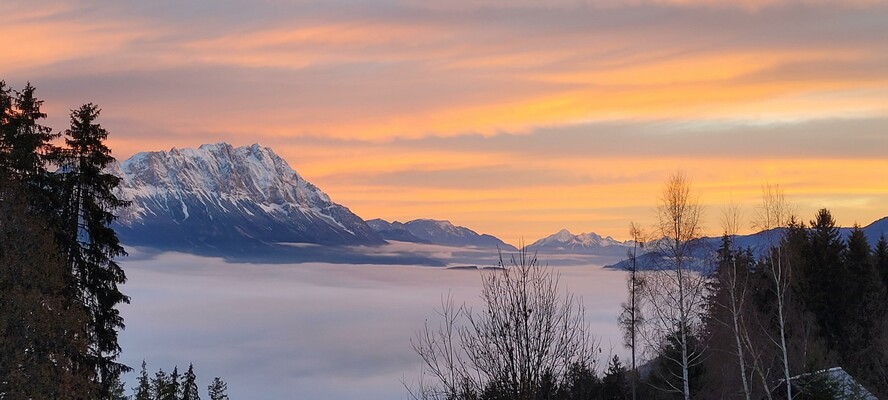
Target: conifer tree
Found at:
861, 319
117, 391
143, 390
218, 390
580, 382
727, 326
614, 383
41, 329
26, 146
864, 283
31, 147
7, 113
173, 385
824, 275
189, 385
159, 385
880, 258
91, 244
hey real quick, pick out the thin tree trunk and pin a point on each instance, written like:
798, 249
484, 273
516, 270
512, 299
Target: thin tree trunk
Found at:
740, 358
634, 310
783, 349
683, 325
781, 319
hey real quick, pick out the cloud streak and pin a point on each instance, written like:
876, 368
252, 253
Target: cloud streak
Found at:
405, 109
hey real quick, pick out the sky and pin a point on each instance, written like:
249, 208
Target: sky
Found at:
515, 118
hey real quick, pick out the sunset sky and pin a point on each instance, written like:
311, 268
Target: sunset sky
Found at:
512, 117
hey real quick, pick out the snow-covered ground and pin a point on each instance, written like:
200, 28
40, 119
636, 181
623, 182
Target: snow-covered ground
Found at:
310, 331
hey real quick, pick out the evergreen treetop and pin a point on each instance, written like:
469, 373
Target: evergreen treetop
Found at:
143, 390
89, 203
189, 389
218, 389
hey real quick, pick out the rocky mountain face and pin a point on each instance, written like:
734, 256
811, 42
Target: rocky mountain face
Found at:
436, 232
228, 198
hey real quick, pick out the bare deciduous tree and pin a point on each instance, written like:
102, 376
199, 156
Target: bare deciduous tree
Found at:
528, 333
735, 283
675, 293
773, 213
631, 316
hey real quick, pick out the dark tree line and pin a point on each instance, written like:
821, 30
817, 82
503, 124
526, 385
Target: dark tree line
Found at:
837, 307
810, 300
173, 386
59, 273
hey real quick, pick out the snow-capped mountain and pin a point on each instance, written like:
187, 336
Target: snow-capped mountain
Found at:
394, 231
435, 232
228, 198
584, 243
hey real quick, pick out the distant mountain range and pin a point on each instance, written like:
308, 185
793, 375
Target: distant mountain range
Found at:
758, 243
432, 231
248, 203
229, 198
584, 243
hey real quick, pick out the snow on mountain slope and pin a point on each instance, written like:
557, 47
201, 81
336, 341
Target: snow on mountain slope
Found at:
436, 232
228, 198
394, 231
584, 243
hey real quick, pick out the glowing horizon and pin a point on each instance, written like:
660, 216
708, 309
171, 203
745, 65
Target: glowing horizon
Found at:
509, 118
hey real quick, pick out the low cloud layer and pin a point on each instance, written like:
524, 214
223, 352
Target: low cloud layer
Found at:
309, 330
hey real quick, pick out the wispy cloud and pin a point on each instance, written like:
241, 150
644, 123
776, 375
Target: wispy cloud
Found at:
402, 109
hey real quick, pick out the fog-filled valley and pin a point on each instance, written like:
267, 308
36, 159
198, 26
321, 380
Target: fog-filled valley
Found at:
313, 330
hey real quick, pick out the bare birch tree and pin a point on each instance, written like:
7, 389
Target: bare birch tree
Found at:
771, 214
527, 333
675, 293
631, 316
735, 283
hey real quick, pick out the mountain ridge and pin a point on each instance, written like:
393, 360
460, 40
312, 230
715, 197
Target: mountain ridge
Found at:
432, 231
583, 243
222, 196
223, 200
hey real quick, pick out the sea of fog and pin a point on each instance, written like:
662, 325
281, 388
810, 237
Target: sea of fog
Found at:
312, 330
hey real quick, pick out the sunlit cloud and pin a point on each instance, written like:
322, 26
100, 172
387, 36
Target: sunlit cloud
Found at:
515, 118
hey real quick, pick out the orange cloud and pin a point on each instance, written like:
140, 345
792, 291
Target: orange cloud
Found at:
361, 98
618, 190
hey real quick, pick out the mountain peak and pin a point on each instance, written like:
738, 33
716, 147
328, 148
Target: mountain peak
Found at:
562, 235
435, 231
436, 221
246, 192
563, 240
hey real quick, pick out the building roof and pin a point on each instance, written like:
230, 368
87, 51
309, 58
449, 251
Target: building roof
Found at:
849, 389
